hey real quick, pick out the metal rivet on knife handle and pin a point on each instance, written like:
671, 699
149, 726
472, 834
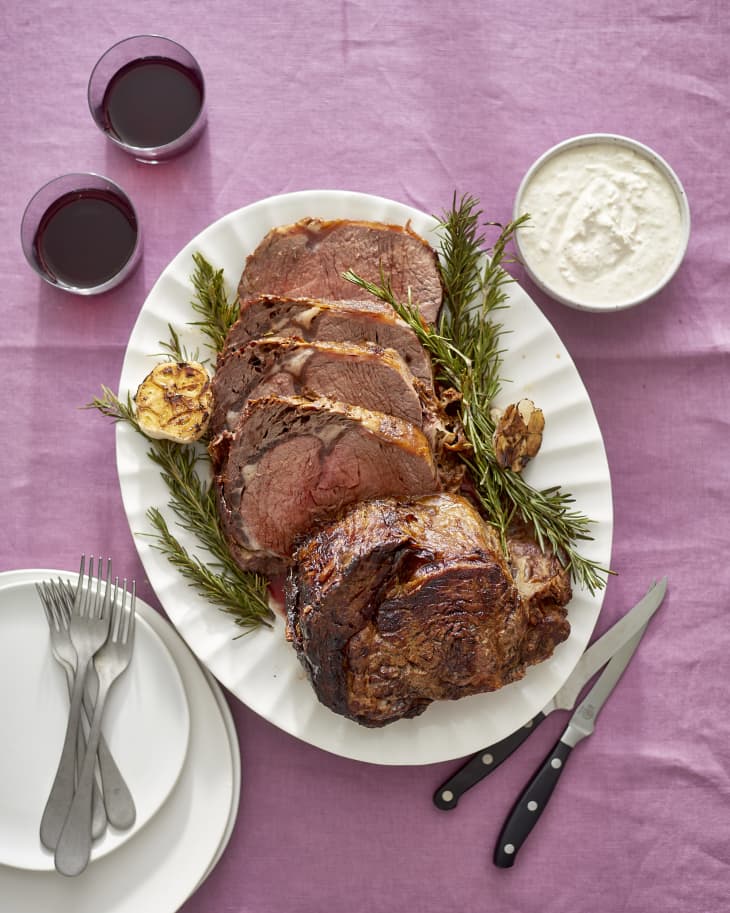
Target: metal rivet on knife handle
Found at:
484, 762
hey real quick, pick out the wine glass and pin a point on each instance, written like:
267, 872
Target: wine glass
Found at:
147, 95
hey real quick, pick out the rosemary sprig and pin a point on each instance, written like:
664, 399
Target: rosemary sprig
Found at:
173, 348
211, 302
110, 405
241, 594
193, 502
466, 350
208, 579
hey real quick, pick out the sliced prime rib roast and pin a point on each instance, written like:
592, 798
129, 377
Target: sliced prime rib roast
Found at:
361, 374
400, 602
308, 258
398, 594
294, 462
344, 321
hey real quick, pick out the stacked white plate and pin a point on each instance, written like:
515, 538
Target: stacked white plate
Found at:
172, 735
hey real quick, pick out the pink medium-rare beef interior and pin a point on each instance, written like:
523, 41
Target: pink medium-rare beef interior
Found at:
292, 463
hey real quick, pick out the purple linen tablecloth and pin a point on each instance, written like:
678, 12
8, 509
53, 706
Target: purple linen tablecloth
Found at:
414, 100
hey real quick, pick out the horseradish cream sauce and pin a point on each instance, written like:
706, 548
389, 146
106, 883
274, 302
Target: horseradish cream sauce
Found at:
605, 228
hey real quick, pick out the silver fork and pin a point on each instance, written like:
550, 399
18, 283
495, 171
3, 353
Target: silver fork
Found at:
65, 655
88, 628
118, 801
74, 845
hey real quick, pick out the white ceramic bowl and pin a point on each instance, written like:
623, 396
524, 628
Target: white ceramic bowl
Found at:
554, 286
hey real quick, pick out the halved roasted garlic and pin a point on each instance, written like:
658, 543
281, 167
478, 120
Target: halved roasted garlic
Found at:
174, 402
518, 434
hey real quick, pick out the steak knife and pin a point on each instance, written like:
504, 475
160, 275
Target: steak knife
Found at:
597, 655
531, 804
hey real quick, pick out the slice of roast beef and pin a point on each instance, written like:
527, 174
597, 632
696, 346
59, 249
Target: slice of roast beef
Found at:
346, 321
292, 463
363, 375
308, 258
399, 603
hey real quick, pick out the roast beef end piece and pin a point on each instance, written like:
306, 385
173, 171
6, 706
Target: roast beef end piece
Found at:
308, 258
545, 589
292, 463
399, 603
439, 642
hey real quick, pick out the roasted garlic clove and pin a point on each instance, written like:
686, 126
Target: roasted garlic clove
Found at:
174, 402
518, 435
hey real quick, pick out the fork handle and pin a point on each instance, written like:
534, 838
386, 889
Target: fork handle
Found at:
62, 791
99, 815
73, 849
118, 802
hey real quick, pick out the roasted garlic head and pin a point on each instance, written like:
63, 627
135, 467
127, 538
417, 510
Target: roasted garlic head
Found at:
518, 435
174, 402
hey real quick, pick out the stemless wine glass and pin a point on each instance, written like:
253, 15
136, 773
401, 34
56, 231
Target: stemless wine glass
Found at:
81, 234
147, 95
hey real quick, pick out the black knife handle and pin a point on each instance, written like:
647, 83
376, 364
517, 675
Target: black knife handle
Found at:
528, 808
484, 762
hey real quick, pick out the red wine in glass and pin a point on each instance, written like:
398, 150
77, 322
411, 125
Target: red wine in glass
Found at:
152, 102
147, 95
85, 238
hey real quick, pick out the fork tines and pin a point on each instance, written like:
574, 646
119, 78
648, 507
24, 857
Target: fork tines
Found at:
84, 603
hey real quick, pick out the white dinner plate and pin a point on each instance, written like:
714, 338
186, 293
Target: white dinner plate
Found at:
235, 769
169, 858
146, 717
262, 668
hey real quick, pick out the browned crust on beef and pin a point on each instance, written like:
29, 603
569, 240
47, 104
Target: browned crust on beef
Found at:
543, 583
402, 602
